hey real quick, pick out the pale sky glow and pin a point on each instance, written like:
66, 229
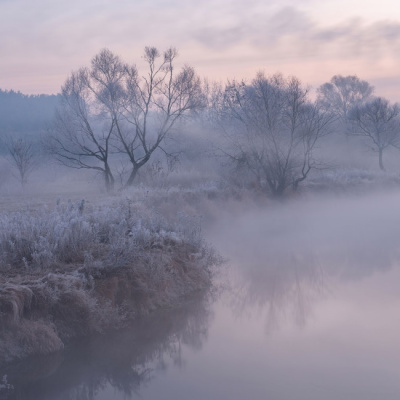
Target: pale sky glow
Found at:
42, 41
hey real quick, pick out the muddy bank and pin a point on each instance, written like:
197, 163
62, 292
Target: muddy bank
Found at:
40, 315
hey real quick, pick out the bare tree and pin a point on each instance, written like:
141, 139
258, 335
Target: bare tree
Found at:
81, 133
378, 122
110, 109
272, 129
343, 93
22, 155
153, 104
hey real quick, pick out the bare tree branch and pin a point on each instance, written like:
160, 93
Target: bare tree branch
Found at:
272, 128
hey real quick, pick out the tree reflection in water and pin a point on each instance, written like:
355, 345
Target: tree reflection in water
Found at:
124, 361
287, 283
282, 287
293, 254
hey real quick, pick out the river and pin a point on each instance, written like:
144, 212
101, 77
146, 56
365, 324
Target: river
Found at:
306, 307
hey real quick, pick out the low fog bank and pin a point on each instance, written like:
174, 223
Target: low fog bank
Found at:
351, 234
287, 256
200, 170
267, 135
200, 164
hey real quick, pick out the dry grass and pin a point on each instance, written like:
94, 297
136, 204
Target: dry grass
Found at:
73, 272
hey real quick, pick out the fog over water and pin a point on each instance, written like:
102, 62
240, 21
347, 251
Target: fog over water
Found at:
308, 308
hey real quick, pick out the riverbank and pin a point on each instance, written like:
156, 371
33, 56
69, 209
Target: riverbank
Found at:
78, 268
76, 271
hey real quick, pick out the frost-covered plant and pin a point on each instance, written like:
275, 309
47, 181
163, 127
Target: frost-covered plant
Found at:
70, 235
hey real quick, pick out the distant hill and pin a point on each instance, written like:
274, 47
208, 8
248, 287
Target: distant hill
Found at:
25, 115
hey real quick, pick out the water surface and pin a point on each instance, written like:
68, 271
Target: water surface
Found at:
310, 310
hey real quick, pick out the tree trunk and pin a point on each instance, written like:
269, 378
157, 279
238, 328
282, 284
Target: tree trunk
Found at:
132, 176
108, 179
381, 160
279, 189
108, 183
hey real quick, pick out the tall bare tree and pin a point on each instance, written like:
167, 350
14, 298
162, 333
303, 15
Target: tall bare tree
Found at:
110, 108
153, 104
272, 129
377, 121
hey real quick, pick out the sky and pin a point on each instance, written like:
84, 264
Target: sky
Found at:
43, 41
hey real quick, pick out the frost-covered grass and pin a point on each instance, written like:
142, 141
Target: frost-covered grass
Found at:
351, 179
69, 235
74, 270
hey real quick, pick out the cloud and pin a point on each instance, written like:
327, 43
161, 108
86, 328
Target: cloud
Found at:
49, 38
290, 33
355, 38
60, 27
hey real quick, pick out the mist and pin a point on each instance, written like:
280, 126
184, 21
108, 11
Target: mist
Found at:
198, 239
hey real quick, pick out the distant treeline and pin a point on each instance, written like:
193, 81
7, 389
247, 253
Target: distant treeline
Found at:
23, 114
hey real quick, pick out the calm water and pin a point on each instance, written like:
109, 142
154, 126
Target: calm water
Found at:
309, 308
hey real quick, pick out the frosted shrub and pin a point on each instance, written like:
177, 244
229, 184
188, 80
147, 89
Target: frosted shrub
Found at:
40, 239
68, 235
